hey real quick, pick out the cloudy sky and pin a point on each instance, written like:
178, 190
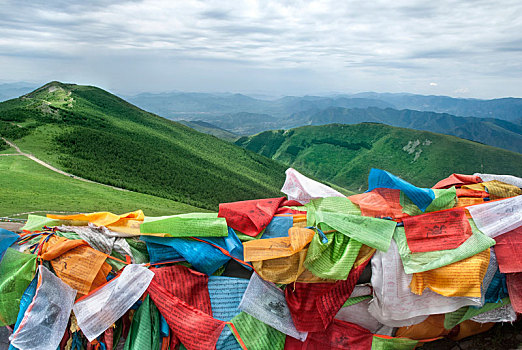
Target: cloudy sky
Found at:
457, 48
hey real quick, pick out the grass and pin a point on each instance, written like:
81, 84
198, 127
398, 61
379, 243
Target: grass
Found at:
93, 134
344, 154
28, 186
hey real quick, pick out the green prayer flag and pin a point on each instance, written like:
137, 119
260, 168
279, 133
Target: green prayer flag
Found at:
139, 250
187, 225
452, 319
420, 262
36, 223
374, 232
334, 259
257, 335
444, 199
331, 205
144, 332
356, 300
16, 272
379, 343
246, 238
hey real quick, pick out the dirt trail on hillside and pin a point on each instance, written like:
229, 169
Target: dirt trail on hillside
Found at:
49, 166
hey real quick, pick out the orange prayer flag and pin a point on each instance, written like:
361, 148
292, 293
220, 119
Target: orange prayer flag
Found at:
105, 218
460, 279
76, 263
380, 202
272, 248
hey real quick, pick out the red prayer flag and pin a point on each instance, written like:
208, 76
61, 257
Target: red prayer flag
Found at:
338, 335
313, 306
250, 217
437, 231
379, 203
514, 285
188, 285
458, 180
507, 249
466, 192
195, 329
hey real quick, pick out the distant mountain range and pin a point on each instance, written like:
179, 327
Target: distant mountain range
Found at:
13, 90
180, 105
344, 154
500, 124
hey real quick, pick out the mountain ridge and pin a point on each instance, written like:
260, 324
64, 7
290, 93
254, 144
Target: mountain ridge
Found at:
96, 135
344, 154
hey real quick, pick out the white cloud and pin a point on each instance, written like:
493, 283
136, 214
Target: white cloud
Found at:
433, 84
356, 45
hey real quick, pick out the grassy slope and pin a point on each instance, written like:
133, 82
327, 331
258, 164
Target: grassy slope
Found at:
344, 154
28, 186
93, 134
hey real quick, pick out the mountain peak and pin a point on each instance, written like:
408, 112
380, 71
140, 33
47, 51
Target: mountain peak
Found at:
50, 88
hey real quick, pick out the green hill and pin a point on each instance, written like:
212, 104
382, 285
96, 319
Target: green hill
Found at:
93, 134
344, 154
29, 187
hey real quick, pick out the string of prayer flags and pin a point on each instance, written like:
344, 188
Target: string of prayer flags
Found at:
46, 318
303, 189
498, 217
185, 225
100, 309
185, 283
265, 302
252, 216
422, 197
